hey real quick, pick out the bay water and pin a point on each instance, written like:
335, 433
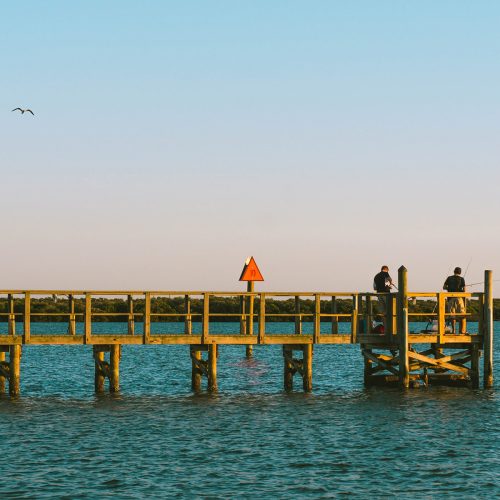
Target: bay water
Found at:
155, 439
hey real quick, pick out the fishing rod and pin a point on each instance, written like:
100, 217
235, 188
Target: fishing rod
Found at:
478, 283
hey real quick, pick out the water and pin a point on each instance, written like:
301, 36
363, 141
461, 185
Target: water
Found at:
156, 439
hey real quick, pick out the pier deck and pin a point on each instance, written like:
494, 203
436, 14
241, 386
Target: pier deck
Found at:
393, 357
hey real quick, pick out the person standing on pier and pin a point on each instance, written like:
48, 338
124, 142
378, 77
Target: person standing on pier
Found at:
382, 283
456, 305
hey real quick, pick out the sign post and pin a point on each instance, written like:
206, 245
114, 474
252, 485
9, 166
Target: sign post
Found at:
250, 274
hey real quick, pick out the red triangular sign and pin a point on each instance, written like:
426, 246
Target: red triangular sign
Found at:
251, 271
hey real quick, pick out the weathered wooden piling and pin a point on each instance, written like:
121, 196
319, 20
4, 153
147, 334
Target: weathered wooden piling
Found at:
307, 367
212, 368
114, 368
404, 365
4, 369
196, 368
99, 373
200, 366
302, 366
488, 329
15, 370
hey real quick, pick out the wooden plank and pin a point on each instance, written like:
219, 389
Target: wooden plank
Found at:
438, 362
381, 362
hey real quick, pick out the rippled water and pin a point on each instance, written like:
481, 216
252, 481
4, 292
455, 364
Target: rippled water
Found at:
156, 439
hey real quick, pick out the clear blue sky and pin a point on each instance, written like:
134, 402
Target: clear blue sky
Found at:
173, 139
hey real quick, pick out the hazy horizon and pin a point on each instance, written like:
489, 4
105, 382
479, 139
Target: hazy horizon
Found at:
172, 140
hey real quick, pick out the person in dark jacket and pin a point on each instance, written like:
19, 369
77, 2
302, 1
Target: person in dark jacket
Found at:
456, 305
382, 284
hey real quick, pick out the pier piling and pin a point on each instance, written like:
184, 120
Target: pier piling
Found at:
207, 367
14, 370
293, 365
488, 329
404, 365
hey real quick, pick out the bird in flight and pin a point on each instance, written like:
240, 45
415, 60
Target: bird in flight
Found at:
24, 111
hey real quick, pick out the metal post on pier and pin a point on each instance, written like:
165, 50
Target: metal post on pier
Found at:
250, 274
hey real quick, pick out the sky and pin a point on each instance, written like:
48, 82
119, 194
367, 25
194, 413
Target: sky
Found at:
171, 140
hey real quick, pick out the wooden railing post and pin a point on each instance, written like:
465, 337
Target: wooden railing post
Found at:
298, 318
12, 316
354, 318
206, 318
404, 365
317, 318
88, 319
243, 318
72, 317
441, 315
188, 322
262, 318
488, 330
335, 320
27, 318
369, 314
147, 318
131, 318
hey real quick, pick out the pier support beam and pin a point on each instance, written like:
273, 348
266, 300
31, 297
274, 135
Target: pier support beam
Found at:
206, 367
105, 369
302, 366
488, 329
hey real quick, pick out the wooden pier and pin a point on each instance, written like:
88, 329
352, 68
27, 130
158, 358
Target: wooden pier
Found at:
397, 356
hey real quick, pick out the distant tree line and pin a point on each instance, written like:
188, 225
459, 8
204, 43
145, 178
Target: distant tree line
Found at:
57, 308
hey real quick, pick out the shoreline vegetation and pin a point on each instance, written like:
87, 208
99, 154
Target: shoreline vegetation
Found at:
56, 309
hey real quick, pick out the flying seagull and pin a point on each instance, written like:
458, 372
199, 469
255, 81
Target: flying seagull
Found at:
24, 111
